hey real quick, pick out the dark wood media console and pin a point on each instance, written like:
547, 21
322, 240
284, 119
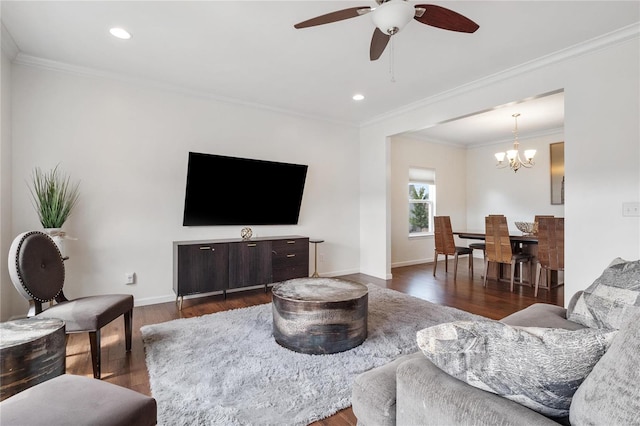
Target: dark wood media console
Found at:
208, 266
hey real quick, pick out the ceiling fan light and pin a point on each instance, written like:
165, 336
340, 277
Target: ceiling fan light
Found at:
390, 17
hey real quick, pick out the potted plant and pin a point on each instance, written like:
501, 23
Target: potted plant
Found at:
54, 197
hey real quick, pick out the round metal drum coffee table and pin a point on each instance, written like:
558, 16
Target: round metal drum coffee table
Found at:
319, 315
32, 350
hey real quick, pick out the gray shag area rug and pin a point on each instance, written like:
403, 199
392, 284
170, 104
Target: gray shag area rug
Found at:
226, 368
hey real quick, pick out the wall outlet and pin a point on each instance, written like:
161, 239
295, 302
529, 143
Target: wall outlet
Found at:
130, 278
630, 209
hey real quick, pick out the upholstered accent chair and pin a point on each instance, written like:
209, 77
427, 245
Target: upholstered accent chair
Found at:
37, 271
77, 400
445, 244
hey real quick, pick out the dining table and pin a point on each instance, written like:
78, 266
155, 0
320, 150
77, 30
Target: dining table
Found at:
526, 243
480, 235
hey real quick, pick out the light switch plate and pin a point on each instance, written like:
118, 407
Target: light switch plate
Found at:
630, 209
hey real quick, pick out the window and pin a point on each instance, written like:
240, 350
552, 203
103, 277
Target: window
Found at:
422, 197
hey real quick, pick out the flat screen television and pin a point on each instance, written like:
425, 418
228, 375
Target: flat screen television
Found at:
224, 190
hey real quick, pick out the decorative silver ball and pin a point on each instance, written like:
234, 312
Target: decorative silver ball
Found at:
527, 228
246, 233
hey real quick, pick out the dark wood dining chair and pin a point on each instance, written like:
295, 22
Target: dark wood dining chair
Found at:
37, 271
550, 249
499, 249
445, 244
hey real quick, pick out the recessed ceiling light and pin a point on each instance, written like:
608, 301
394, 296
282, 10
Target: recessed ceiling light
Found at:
358, 97
120, 33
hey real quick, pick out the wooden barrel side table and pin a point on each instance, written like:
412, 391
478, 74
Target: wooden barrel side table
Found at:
319, 315
32, 350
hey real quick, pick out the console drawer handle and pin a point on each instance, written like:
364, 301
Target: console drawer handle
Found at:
291, 242
205, 248
251, 245
291, 255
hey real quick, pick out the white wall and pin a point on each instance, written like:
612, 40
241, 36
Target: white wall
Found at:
520, 195
602, 149
6, 288
128, 146
470, 187
450, 166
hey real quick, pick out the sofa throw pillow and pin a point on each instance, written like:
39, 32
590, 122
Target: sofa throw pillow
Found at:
540, 368
612, 298
609, 395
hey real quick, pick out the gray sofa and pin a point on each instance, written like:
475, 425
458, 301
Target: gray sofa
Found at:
412, 391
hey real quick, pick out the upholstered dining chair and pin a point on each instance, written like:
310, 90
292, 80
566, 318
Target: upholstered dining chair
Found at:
37, 271
445, 244
550, 249
499, 249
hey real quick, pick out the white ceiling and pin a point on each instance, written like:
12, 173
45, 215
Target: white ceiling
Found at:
249, 52
541, 115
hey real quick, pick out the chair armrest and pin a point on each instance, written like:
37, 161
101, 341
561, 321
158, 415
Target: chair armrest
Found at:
428, 396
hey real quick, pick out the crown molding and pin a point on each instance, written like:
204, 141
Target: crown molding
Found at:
526, 137
601, 42
51, 65
8, 44
606, 40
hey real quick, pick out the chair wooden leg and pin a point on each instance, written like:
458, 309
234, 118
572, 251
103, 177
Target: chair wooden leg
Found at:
538, 272
446, 264
547, 283
521, 272
435, 263
471, 263
531, 271
455, 266
128, 319
94, 341
486, 270
513, 272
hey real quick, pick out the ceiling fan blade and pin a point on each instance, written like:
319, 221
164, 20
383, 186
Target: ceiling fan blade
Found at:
441, 17
338, 15
378, 44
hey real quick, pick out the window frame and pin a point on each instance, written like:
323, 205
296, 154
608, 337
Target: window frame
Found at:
430, 202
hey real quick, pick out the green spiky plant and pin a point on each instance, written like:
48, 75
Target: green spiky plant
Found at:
54, 196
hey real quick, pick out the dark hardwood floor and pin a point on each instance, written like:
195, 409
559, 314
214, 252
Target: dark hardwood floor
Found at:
129, 369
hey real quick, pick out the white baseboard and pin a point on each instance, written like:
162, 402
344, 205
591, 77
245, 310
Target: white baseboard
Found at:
154, 300
339, 273
410, 263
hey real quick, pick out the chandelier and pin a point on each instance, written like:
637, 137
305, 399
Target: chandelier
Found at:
513, 155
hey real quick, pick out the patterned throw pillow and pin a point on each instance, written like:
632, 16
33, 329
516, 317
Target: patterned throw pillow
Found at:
540, 368
612, 298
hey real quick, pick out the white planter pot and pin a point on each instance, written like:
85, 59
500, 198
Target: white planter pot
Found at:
58, 236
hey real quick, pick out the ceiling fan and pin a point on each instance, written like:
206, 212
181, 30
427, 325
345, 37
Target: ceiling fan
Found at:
392, 15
